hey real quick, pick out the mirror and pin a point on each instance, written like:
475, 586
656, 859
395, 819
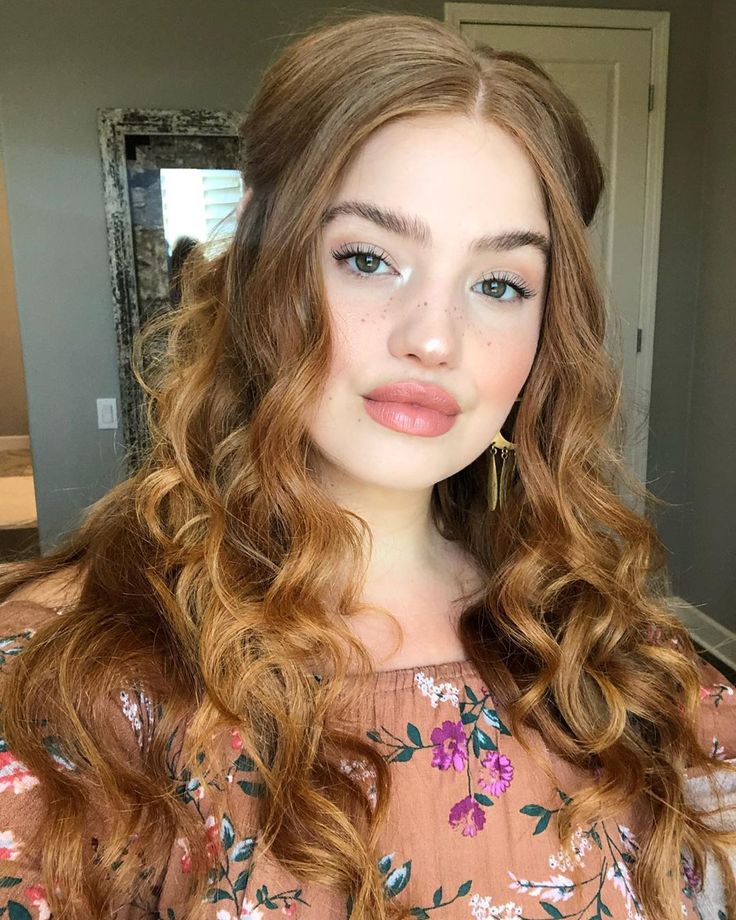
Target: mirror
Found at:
171, 179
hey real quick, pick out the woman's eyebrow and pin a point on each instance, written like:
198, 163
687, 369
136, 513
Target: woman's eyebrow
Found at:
417, 230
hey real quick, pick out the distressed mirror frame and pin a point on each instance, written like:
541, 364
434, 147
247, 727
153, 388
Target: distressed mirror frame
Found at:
115, 127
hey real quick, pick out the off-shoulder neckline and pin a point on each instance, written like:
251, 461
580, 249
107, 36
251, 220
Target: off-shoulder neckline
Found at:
395, 679
392, 679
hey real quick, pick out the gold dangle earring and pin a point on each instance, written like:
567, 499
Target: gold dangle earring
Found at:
503, 454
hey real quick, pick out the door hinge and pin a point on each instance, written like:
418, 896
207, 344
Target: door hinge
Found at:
638, 341
651, 96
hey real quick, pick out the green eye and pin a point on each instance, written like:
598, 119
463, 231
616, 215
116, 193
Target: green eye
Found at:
496, 286
367, 260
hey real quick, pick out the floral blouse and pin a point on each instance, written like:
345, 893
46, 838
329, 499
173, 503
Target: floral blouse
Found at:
470, 834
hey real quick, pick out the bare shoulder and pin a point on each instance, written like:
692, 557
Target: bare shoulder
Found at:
60, 589
33, 604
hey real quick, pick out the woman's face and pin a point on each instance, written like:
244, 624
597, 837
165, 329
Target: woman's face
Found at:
417, 291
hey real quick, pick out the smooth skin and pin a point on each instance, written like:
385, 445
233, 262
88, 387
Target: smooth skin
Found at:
434, 311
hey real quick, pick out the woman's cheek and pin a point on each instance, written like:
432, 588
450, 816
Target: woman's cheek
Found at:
508, 365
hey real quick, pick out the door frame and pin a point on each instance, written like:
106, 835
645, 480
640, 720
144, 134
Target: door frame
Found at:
657, 23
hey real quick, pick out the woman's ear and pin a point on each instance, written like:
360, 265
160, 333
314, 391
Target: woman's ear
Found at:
243, 203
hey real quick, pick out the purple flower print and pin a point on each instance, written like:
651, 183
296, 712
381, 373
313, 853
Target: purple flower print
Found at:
468, 814
500, 773
449, 741
691, 876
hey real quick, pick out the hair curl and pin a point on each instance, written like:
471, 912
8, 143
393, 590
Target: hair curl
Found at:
206, 574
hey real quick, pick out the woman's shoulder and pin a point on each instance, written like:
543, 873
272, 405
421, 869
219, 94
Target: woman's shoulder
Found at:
33, 604
129, 711
717, 712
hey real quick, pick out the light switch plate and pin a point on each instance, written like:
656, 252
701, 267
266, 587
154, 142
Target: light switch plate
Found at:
107, 413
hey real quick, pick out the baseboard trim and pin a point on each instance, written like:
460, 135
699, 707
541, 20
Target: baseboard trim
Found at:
718, 640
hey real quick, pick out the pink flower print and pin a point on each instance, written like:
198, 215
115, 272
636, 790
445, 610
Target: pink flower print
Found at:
14, 773
467, 813
654, 634
500, 773
186, 859
213, 837
289, 909
36, 894
9, 848
236, 742
704, 693
247, 912
449, 741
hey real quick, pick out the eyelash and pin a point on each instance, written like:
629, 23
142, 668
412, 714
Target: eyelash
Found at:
348, 251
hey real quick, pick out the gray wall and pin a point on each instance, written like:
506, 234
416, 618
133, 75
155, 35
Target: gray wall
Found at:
710, 548
60, 63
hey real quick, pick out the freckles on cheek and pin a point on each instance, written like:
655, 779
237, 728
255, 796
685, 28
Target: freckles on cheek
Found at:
351, 331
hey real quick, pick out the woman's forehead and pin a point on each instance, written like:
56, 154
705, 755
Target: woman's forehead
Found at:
446, 164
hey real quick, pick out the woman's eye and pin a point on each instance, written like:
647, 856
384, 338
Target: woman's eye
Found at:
502, 287
498, 286
367, 261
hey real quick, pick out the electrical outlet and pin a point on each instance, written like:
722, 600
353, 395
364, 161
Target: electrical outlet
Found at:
107, 413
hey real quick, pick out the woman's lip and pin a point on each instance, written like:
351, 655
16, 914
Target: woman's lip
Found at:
410, 419
413, 393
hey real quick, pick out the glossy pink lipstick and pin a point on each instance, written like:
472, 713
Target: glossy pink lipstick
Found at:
421, 409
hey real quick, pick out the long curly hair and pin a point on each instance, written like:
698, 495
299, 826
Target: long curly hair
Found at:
208, 575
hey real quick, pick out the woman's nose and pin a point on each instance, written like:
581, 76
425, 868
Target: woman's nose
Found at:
429, 328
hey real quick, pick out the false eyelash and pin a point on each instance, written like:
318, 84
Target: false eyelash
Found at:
347, 251
513, 281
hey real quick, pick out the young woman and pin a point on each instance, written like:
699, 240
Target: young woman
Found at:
340, 647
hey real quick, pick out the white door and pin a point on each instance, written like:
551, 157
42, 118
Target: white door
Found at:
607, 72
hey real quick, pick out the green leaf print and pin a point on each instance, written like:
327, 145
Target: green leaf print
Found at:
255, 789
242, 880
243, 849
227, 834
219, 894
481, 741
264, 898
414, 734
8, 649
9, 881
397, 880
422, 913
551, 909
16, 911
245, 764
538, 810
52, 745
492, 717
384, 863
470, 695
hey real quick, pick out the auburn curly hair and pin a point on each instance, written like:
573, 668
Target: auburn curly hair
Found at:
203, 576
